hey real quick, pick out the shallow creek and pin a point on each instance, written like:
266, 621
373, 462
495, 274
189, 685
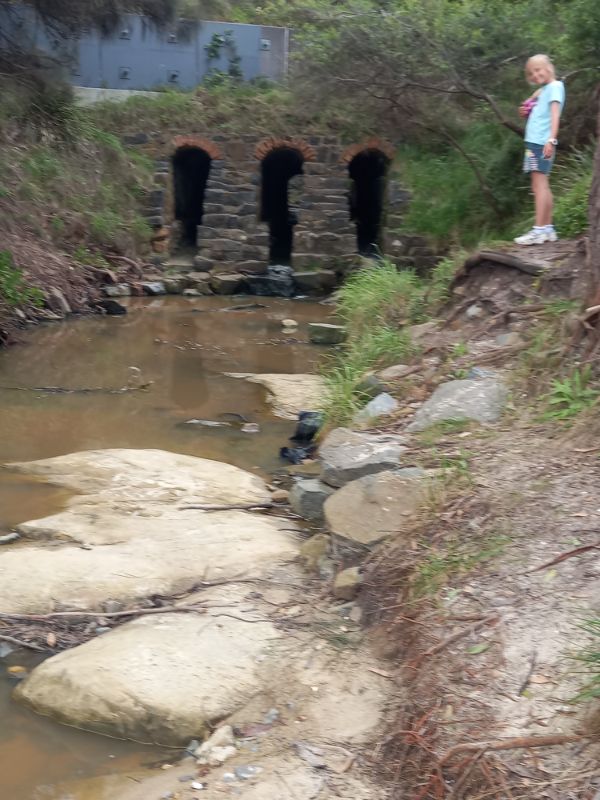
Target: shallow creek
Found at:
183, 347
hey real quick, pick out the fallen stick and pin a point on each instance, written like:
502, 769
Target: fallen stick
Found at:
586, 449
564, 556
517, 743
233, 507
19, 643
455, 636
63, 390
110, 615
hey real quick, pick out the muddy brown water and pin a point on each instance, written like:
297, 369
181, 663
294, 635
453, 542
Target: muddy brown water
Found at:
182, 347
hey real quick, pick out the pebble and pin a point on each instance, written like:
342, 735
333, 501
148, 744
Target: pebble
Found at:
245, 772
280, 496
250, 427
272, 715
192, 747
196, 785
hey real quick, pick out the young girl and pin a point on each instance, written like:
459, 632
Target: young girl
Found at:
542, 110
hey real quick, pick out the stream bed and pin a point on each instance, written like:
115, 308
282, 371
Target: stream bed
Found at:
181, 348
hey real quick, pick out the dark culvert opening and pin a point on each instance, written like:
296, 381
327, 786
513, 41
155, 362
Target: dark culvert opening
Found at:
191, 167
368, 172
277, 168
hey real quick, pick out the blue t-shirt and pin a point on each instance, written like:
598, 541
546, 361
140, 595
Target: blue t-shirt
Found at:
539, 121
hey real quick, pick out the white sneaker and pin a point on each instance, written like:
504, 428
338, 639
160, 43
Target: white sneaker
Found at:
551, 236
533, 237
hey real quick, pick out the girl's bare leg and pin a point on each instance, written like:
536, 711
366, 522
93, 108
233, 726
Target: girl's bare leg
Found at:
540, 186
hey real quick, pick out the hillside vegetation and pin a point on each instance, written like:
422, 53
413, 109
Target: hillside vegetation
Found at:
441, 79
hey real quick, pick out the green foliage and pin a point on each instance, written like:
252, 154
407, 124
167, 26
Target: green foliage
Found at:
573, 191
447, 203
375, 302
14, 290
441, 566
571, 396
372, 347
591, 659
380, 294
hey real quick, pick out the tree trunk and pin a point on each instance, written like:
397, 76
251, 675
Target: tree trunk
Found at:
594, 234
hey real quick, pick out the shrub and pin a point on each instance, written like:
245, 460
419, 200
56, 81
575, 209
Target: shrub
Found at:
573, 191
447, 203
380, 295
13, 288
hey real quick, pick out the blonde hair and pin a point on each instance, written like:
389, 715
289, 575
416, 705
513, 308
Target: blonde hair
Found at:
544, 59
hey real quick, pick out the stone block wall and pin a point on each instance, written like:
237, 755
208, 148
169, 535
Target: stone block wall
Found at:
232, 238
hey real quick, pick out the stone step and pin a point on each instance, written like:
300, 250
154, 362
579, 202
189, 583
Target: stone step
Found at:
210, 235
314, 261
227, 250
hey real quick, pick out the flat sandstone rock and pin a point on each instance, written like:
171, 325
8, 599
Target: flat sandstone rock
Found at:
288, 394
126, 537
163, 679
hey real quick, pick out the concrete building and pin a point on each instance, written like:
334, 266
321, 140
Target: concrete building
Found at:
138, 56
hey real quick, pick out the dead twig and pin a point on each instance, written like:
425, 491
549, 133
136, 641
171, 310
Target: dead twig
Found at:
564, 556
455, 636
111, 615
233, 507
516, 743
19, 643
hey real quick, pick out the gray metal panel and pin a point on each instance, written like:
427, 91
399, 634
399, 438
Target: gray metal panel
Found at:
273, 61
138, 56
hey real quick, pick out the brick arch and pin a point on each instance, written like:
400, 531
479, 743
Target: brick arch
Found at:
372, 143
272, 143
196, 141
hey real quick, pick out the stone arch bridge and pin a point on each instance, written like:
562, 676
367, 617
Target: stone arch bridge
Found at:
244, 203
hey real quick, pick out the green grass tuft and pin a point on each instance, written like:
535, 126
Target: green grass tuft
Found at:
591, 659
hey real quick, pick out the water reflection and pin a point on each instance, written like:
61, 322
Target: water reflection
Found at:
183, 347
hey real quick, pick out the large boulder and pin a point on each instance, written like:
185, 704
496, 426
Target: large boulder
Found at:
479, 400
125, 536
347, 455
288, 394
374, 507
163, 679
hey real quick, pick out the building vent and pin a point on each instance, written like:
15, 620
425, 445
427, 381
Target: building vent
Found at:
173, 76
265, 44
125, 34
124, 73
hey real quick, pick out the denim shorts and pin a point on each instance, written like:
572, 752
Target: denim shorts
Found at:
534, 160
